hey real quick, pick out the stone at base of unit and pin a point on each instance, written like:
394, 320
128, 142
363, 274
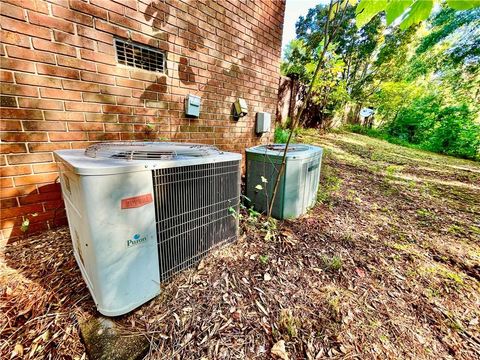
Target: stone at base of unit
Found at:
104, 342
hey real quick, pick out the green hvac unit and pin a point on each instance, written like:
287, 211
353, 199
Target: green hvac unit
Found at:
298, 186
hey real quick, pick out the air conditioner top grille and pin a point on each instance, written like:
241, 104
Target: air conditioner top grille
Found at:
295, 151
150, 150
281, 147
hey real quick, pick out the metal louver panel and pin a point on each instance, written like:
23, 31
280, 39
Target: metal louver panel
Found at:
193, 212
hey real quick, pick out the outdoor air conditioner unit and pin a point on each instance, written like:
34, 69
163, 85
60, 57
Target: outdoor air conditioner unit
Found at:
139, 212
297, 190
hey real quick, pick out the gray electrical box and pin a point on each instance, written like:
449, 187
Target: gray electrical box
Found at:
297, 190
264, 120
192, 105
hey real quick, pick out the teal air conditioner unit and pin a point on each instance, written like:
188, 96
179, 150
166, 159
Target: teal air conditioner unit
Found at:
298, 186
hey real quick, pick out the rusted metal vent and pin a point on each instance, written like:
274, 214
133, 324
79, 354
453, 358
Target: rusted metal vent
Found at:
139, 56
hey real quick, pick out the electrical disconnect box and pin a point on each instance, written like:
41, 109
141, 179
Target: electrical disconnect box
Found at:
264, 120
192, 105
240, 108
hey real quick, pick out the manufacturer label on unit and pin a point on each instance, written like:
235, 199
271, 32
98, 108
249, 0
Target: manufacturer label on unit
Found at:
136, 201
136, 240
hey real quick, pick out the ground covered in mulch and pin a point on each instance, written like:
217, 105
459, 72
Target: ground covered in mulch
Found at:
387, 265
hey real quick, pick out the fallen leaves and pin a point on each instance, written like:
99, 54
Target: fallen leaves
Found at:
279, 350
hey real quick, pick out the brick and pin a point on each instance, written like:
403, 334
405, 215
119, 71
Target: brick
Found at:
94, 34
35, 179
6, 76
115, 90
6, 148
99, 98
36, 5
43, 125
8, 125
130, 83
67, 136
14, 39
58, 71
81, 86
14, 64
106, 49
27, 54
43, 168
23, 136
81, 126
43, 197
15, 170
63, 115
19, 90
47, 147
37, 80
40, 103
60, 94
111, 29
75, 63
28, 158
109, 5
86, 107
13, 11
21, 114
103, 136
119, 127
97, 57
8, 203
116, 109
56, 48
101, 117
124, 21
6, 183
21, 210
75, 40
71, 15
25, 28
50, 22
93, 77
89, 9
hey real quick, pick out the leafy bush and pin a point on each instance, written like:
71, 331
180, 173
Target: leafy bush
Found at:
426, 125
281, 135
455, 133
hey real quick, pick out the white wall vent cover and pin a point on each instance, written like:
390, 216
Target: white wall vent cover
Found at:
140, 212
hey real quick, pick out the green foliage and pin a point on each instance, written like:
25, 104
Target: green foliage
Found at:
410, 12
263, 259
280, 135
427, 125
455, 133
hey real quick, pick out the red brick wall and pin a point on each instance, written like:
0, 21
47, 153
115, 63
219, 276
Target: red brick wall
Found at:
62, 87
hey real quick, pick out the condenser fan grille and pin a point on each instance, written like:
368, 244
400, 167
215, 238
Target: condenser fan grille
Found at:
150, 150
281, 147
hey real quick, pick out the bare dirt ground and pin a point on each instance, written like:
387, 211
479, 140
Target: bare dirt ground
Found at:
387, 265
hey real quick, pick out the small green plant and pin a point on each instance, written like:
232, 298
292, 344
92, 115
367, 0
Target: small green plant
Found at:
426, 214
263, 259
25, 225
288, 324
149, 128
333, 263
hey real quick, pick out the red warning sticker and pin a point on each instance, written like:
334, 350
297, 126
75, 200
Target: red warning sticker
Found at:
136, 201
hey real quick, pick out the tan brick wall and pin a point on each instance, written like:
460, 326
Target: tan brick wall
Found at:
62, 87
